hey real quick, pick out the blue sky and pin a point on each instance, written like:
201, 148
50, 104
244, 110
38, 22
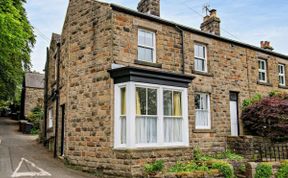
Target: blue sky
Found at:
249, 21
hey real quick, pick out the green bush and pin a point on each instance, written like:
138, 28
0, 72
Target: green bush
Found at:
225, 168
200, 156
229, 155
154, 167
263, 170
250, 101
188, 167
283, 171
35, 116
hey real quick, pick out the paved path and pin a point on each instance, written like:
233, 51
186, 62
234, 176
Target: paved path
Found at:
21, 156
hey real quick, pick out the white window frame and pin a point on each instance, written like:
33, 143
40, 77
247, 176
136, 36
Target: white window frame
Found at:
197, 57
50, 118
262, 70
131, 114
282, 74
148, 47
209, 112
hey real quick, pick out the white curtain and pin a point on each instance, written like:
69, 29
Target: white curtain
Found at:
146, 129
202, 119
173, 129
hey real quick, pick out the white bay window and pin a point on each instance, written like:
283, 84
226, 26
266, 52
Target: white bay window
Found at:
155, 115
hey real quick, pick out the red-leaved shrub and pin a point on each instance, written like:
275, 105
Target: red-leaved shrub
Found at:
268, 117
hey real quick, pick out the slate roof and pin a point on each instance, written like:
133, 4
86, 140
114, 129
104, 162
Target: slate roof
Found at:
34, 80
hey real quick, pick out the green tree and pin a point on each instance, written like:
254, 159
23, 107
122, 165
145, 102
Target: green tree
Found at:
16, 41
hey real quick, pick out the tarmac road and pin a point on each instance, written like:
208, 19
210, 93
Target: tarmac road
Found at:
21, 156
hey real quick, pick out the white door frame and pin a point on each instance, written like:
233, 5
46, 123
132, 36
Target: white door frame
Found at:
234, 113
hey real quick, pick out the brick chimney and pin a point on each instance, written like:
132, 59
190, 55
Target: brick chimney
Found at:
150, 7
266, 45
211, 23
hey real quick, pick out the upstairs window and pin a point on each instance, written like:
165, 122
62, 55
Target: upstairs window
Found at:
146, 46
262, 70
202, 107
200, 54
281, 71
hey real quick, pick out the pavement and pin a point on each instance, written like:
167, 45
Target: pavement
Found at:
21, 156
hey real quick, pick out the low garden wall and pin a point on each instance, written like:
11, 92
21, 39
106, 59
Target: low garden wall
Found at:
246, 146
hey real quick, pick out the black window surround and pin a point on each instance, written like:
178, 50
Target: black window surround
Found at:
136, 74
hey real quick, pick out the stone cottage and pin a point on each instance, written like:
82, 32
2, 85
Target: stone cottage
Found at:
32, 92
126, 87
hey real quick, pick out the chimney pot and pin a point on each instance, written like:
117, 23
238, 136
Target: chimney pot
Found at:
266, 45
149, 6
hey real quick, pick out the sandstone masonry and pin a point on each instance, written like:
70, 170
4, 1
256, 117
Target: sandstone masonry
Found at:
98, 35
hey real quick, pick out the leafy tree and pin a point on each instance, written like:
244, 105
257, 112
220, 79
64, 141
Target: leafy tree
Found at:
268, 117
16, 42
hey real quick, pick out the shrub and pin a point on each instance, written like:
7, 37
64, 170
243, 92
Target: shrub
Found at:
282, 171
188, 167
35, 116
263, 170
200, 156
225, 168
154, 167
250, 101
268, 117
229, 155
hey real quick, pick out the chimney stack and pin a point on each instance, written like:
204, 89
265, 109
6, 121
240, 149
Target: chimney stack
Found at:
150, 7
266, 45
211, 23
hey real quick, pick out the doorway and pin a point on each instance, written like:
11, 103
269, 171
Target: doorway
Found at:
234, 114
62, 128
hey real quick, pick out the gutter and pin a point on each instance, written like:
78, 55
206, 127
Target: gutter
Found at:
182, 48
57, 100
193, 30
46, 96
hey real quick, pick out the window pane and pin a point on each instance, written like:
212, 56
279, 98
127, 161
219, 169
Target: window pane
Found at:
152, 102
141, 101
199, 65
123, 101
173, 129
141, 37
167, 95
281, 80
123, 129
145, 54
149, 39
196, 51
197, 101
177, 104
146, 129
202, 118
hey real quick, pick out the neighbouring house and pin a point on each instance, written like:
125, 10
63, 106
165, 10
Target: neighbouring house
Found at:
32, 92
126, 87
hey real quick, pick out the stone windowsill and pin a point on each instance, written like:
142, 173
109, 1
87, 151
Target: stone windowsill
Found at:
204, 131
151, 148
264, 83
150, 64
207, 74
283, 86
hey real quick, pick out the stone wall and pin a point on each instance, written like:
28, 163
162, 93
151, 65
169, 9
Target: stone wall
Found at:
94, 36
246, 145
33, 98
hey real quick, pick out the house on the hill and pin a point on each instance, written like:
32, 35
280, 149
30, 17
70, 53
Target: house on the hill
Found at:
32, 92
125, 87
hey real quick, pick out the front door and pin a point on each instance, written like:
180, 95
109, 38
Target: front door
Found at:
234, 113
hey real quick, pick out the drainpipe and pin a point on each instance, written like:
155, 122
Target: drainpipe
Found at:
57, 100
182, 48
46, 96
